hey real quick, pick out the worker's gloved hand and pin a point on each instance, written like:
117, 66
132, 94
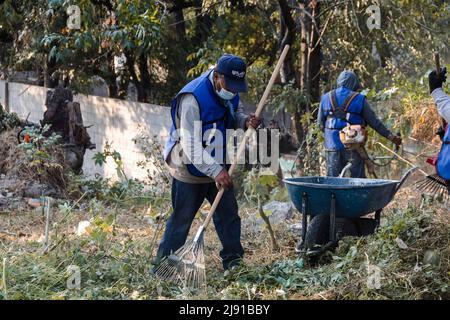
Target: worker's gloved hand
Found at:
396, 139
252, 121
223, 179
436, 82
441, 133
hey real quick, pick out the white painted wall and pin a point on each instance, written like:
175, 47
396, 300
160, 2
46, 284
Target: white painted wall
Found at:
2, 92
112, 120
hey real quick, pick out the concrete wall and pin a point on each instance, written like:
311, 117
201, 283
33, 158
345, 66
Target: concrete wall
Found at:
2, 92
111, 120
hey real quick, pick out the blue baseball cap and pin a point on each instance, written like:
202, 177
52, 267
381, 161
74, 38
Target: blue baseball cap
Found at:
234, 69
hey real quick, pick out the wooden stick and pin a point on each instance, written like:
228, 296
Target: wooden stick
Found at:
403, 159
266, 220
47, 222
438, 64
246, 136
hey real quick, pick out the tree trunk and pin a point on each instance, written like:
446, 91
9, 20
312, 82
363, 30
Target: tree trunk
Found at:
65, 118
142, 95
180, 25
203, 23
49, 69
287, 36
145, 80
309, 81
110, 77
310, 53
315, 58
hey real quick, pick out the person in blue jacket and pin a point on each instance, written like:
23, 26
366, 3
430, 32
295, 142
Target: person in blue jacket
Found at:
195, 155
357, 111
443, 107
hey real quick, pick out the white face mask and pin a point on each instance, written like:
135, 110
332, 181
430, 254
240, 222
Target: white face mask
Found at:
225, 95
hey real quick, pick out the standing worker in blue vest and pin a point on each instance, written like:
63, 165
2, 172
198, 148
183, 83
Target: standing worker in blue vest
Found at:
443, 106
356, 111
195, 155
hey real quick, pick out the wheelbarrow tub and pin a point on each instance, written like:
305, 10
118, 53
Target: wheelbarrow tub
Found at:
354, 197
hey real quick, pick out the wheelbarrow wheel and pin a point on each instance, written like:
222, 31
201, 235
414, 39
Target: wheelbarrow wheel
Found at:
318, 232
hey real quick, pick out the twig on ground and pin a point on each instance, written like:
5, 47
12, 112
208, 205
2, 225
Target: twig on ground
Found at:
275, 246
47, 204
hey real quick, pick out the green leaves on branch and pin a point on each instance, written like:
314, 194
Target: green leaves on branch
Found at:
101, 157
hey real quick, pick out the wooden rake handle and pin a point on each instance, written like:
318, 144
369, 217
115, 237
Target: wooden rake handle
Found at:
438, 65
247, 134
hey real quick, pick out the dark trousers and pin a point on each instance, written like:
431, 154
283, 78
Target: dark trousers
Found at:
337, 160
187, 199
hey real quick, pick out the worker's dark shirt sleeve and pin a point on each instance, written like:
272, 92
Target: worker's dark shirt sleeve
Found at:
373, 121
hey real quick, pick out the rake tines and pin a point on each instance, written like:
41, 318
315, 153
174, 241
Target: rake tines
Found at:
435, 186
185, 267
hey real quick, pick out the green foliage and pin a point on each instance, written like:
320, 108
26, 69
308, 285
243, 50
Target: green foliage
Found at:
7, 119
108, 271
41, 150
205, 57
176, 51
288, 97
399, 50
405, 273
114, 263
153, 163
123, 191
259, 185
137, 27
100, 229
101, 157
311, 147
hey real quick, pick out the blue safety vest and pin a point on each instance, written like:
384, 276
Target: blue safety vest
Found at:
214, 115
443, 161
351, 103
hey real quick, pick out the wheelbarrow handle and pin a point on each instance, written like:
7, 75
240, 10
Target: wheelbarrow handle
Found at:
404, 177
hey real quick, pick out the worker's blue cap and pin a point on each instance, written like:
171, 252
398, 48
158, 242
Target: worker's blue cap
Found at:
234, 69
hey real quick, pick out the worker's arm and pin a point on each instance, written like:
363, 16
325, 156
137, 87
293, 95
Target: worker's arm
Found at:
443, 103
442, 100
191, 137
375, 123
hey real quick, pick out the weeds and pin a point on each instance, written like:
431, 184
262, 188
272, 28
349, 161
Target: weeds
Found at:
404, 273
8, 120
114, 264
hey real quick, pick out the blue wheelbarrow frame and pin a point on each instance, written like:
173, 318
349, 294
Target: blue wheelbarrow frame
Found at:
341, 198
